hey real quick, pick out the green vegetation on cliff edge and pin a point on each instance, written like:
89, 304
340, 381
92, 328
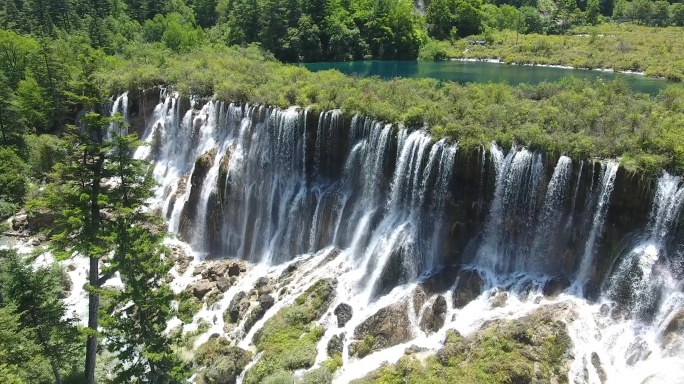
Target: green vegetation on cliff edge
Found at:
579, 118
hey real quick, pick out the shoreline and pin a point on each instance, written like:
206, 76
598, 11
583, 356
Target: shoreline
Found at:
559, 66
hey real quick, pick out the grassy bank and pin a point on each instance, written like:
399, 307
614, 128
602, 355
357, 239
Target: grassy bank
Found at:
622, 47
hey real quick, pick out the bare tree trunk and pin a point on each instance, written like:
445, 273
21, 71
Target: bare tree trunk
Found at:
93, 307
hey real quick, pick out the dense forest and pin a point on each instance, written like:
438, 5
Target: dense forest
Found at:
62, 61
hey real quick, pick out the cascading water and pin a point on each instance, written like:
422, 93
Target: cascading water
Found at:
387, 204
120, 106
608, 173
642, 278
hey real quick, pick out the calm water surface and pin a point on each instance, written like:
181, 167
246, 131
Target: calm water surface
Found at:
482, 72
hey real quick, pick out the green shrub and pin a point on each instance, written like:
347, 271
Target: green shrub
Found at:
13, 182
44, 152
432, 50
289, 339
188, 306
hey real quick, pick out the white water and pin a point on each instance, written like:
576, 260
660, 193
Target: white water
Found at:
608, 173
292, 198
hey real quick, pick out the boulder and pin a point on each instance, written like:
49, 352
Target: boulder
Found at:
201, 288
344, 313
413, 349
223, 362
596, 362
223, 284
498, 299
336, 344
441, 280
237, 308
387, 327
216, 269
675, 325
434, 317
236, 267
454, 345
288, 272
181, 259
265, 302
555, 286
418, 299
637, 351
20, 222
468, 287
199, 269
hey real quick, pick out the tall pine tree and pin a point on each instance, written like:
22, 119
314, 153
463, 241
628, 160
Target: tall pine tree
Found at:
137, 316
77, 193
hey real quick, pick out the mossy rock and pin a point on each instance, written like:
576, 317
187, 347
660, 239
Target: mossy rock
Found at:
387, 327
188, 306
223, 362
289, 339
534, 348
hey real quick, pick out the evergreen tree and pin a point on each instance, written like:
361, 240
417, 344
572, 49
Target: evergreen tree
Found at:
78, 194
593, 11
36, 295
20, 357
137, 316
11, 120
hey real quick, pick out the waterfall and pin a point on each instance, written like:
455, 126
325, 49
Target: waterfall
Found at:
607, 177
512, 212
120, 105
382, 208
550, 217
643, 277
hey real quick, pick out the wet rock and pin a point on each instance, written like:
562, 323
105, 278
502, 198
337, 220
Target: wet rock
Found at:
596, 362
387, 327
237, 308
265, 302
419, 298
434, 317
262, 281
216, 269
332, 255
413, 349
498, 299
564, 311
441, 281
288, 272
223, 284
201, 288
336, 344
181, 259
344, 313
555, 286
236, 268
71, 267
468, 287
637, 351
20, 222
675, 325
199, 269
